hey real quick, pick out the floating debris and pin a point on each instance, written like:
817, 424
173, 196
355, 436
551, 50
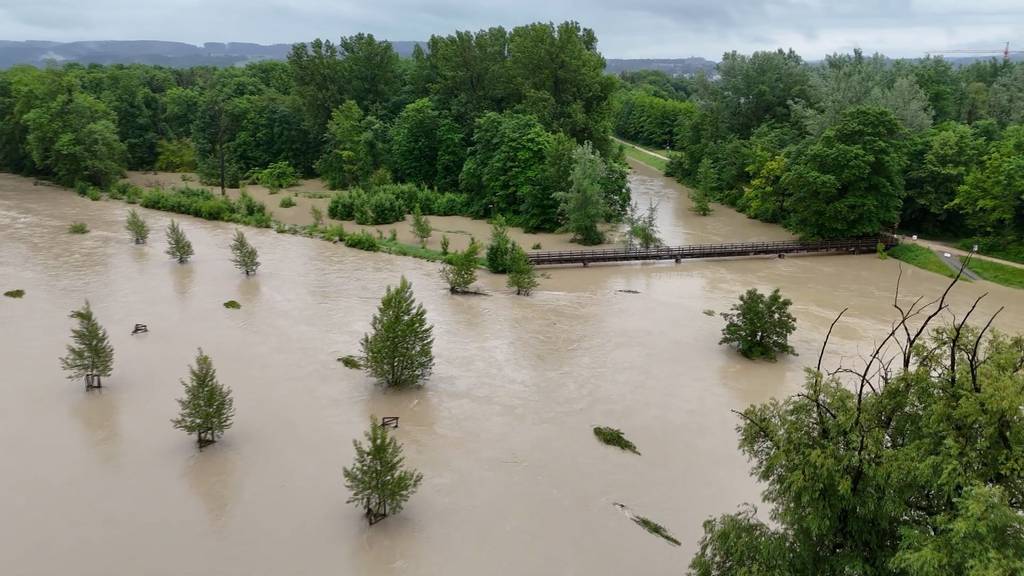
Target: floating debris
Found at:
232, 304
614, 437
15, 293
352, 362
648, 524
627, 291
708, 312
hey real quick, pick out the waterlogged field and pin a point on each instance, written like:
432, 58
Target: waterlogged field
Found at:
515, 481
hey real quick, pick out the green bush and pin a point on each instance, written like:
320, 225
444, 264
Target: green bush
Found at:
333, 232
232, 305
94, 194
287, 202
125, 190
276, 176
202, 203
82, 188
362, 240
15, 293
78, 228
341, 207
378, 207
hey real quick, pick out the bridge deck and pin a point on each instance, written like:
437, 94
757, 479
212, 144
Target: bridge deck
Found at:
733, 250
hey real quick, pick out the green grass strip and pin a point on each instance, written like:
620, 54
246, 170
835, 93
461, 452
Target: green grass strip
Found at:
923, 258
1001, 274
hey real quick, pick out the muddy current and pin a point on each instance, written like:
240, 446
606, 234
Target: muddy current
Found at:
100, 483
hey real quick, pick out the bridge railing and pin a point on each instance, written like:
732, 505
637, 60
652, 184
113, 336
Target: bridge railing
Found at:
708, 250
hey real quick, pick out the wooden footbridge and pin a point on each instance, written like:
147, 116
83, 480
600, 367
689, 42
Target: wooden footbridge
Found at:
694, 251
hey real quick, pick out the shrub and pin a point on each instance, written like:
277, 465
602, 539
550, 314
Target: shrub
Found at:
449, 204
78, 228
15, 293
276, 176
201, 203
459, 270
94, 194
82, 188
232, 305
378, 207
342, 206
125, 190
362, 240
287, 202
333, 232
445, 243
501, 248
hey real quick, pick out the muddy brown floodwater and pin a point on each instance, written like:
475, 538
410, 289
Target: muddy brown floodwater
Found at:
515, 483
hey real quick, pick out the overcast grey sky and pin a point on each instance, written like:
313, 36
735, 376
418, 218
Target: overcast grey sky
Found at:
626, 28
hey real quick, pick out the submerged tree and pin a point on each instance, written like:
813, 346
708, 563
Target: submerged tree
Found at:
178, 246
521, 274
499, 251
399, 351
243, 254
91, 356
379, 482
137, 227
759, 325
207, 409
421, 226
642, 229
459, 269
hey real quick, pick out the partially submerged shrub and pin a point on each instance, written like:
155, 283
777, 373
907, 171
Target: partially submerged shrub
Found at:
78, 228
352, 362
94, 194
287, 202
362, 240
232, 305
202, 203
15, 293
614, 437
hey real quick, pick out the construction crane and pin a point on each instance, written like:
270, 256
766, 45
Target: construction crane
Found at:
1005, 52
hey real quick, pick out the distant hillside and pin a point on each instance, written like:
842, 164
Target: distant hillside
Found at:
175, 54
670, 66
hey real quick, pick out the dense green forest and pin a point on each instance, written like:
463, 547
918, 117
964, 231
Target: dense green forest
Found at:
482, 123
849, 146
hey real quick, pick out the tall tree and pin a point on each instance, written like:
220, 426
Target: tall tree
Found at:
459, 269
379, 482
522, 276
369, 69
583, 205
501, 247
399, 351
207, 409
91, 356
849, 182
347, 156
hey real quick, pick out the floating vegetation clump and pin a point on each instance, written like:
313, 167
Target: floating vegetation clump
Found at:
708, 312
232, 304
78, 228
15, 293
649, 525
352, 362
614, 437
656, 529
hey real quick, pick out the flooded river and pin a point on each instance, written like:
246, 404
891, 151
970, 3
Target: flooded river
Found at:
514, 482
